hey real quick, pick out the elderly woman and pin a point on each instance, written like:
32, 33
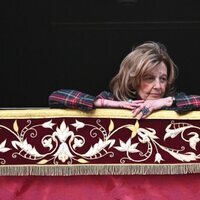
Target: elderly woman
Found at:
144, 83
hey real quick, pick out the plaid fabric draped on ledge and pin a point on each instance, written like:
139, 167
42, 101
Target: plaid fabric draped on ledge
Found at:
65, 142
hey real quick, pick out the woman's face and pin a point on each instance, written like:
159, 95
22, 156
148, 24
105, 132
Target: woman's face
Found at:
153, 83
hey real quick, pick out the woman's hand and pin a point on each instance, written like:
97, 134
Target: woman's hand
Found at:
118, 104
150, 106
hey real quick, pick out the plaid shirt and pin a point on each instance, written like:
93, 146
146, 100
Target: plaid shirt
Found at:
75, 99
66, 98
185, 103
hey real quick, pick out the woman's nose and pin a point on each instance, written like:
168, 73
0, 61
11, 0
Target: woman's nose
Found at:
157, 83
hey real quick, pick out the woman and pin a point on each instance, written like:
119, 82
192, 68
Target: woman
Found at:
144, 83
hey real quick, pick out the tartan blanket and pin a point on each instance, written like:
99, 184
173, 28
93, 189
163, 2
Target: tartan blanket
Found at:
65, 142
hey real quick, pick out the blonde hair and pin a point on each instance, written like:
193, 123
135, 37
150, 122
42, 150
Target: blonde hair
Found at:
142, 59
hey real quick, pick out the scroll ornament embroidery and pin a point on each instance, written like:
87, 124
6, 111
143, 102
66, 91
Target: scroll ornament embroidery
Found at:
63, 145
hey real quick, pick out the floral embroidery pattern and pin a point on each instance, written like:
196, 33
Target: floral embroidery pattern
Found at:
81, 142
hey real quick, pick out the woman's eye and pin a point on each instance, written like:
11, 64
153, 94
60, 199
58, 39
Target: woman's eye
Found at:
162, 80
149, 78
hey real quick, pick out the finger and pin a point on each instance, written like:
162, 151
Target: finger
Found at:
147, 114
136, 105
138, 116
136, 111
138, 102
131, 107
128, 105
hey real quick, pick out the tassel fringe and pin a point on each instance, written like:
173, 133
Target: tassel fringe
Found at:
65, 170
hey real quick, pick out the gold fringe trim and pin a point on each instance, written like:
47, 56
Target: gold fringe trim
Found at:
63, 170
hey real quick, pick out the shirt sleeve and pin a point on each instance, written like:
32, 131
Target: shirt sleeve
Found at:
105, 95
67, 98
185, 103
